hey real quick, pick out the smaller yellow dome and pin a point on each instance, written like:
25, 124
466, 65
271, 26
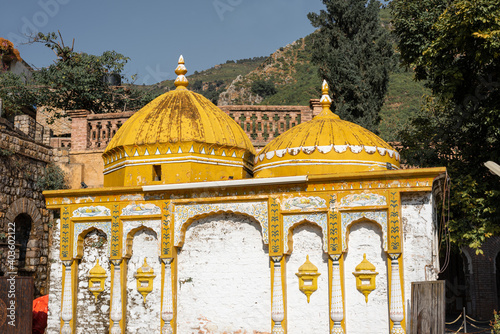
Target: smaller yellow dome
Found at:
308, 267
365, 265
325, 145
145, 268
97, 271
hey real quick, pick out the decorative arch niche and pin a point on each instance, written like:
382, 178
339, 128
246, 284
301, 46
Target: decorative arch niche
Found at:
350, 218
290, 222
186, 214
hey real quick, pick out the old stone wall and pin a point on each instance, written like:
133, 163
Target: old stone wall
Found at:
23, 216
420, 263
366, 238
143, 316
93, 312
304, 316
224, 283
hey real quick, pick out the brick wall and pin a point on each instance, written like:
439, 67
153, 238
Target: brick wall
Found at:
260, 123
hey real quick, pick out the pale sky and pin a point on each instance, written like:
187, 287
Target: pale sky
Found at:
154, 33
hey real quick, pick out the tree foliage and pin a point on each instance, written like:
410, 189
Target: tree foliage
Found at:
76, 80
455, 47
263, 88
355, 55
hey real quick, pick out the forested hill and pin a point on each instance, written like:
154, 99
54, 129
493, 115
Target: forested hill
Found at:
213, 81
287, 77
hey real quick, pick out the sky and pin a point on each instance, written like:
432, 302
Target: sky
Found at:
153, 33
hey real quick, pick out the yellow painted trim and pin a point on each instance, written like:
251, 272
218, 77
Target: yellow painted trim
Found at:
141, 217
275, 228
167, 241
91, 219
387, 175
303, 212
394, 225
363, 208
65, 247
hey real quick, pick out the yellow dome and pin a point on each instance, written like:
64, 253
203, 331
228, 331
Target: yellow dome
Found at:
184, 133
325, 145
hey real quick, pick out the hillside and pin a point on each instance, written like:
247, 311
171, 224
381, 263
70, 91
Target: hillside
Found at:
287, 77
212, 81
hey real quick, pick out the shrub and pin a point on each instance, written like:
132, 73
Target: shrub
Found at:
53, 178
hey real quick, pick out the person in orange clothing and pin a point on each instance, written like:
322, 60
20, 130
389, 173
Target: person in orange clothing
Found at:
40, 309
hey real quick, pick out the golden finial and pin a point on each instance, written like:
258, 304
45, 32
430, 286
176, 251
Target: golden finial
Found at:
181, 82
326, 101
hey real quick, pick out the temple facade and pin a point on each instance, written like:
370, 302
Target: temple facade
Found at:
193, 232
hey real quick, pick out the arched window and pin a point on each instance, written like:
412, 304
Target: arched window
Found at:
23, 229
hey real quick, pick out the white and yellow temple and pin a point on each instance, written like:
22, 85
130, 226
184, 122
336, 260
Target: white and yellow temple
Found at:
321, 232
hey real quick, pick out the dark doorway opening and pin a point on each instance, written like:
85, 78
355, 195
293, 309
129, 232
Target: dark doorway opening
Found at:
23, 224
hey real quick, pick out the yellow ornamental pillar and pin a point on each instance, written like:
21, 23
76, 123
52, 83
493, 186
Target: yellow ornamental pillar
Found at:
67, 303
396, 309
278, 311
116, 303
167, 313
337, 303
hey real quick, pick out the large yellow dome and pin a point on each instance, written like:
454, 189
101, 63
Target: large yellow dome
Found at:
325, 145
178, 137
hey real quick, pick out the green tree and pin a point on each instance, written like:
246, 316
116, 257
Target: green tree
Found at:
456, 48
355, 55
263, 88
75, 81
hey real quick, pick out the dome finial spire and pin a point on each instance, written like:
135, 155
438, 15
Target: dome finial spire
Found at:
181, 82
326, 101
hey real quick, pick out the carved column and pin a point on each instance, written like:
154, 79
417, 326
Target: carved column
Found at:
116, 303
278, 312
67, 304
167, 314
337, 306
396, 310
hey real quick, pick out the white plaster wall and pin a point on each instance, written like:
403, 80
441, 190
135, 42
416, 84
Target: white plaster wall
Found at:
93, 316
303, 317
362, 317
224, 283
419, 242
55, 282
144, 318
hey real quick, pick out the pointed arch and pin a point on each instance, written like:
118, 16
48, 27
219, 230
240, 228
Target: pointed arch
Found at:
350, 218
82, 229
185, 214
129, 239
291, 221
